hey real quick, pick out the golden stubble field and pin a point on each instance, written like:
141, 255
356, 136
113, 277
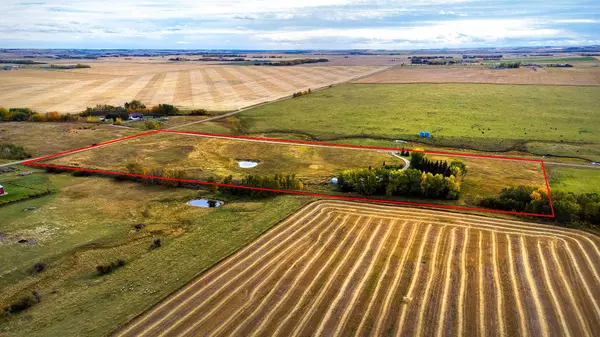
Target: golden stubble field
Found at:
186, 85
348, 269
584, 75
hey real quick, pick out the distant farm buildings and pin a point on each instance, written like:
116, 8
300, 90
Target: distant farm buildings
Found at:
2, 192
12, 67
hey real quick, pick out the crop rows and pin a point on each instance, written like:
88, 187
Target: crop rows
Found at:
210, 87
348, 269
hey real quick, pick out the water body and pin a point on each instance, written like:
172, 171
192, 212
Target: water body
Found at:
205, 203
247, 163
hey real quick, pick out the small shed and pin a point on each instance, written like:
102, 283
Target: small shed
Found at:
2, 190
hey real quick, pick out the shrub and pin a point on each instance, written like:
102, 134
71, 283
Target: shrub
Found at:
155, 244
199, 112
104, 269
92, 119
24, 303
39, 267
118, 121
152, 125
12, 151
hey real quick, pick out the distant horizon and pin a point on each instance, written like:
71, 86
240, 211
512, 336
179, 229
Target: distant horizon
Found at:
558, 47
306, 25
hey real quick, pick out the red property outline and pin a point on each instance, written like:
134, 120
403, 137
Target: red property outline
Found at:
36, 163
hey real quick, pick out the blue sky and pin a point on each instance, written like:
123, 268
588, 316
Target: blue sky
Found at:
300, 24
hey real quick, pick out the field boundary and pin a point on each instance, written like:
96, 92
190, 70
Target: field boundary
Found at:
36, 162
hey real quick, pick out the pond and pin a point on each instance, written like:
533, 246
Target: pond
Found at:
247, 163
208, 203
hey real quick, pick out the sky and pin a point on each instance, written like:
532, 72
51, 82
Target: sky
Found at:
300, 24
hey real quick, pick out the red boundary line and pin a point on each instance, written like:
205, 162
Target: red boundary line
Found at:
34, 163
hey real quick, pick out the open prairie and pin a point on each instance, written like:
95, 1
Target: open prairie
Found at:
186, 85
215, 158
346, 269
560, 120
480, 74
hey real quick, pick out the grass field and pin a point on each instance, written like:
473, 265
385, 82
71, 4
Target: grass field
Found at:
22, 188
346, 269
90, 221
48, 138
572, 179
185, 85
203, 158
480, 116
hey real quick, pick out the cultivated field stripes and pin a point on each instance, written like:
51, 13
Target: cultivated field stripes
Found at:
282, 230
190, 310
47, 96
201, 89
166, 90
212, 87
214, 308
265, 300
84, 97
348, 269
149, 90
226, 91
263, 80
132, 91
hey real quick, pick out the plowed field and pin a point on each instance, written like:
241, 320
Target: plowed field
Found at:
347, 269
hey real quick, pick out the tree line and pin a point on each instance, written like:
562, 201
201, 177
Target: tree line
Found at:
571, 208
393, 181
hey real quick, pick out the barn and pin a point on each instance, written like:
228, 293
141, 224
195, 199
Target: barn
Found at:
2, 190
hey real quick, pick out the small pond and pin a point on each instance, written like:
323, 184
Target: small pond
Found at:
247, 163
208, 203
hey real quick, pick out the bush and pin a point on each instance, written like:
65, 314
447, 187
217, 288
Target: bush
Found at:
155, 244
152, 125
39, 267
118, 121
24, 303
13, 152
104, 269
199, 112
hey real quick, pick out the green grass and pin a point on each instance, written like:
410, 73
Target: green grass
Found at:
573, 179
23, 188
479, 116
89, 222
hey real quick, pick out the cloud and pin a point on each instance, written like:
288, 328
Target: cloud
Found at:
262, 24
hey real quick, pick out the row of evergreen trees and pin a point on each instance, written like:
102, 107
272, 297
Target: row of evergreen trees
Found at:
419, 161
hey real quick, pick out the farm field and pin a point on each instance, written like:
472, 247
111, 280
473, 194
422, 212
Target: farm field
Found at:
90, 221
573, 179
346, 269
476, 116
206, 158
478, 74
187, 86
48, 138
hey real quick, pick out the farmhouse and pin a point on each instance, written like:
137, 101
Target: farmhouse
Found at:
136, 116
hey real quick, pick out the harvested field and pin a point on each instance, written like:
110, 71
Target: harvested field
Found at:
476, 74
347, 269
212, 87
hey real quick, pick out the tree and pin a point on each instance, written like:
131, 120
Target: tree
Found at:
134, 105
